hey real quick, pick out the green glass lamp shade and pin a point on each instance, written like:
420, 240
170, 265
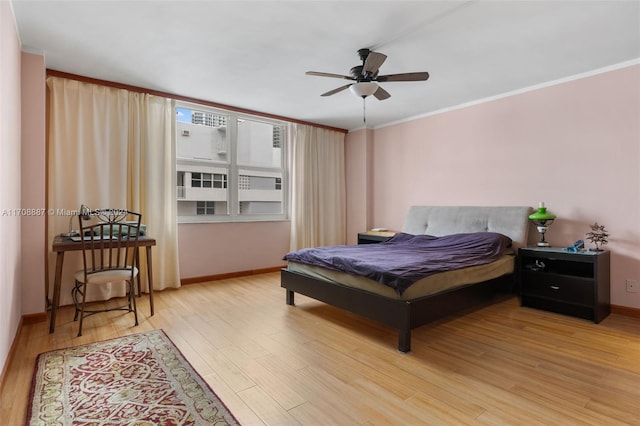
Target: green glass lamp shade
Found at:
541, 215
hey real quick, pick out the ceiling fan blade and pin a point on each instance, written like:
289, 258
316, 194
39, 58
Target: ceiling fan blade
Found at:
373, 62
334, 91
409, 76
381, 94
328, 74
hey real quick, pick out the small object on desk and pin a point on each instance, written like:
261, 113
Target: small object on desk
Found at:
89, 238
379, 229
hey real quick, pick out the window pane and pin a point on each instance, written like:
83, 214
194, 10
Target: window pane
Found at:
202, 196
196, 180
260, 192
219, 181
259, 144
201, 148
201, 135
200, 207
206, 180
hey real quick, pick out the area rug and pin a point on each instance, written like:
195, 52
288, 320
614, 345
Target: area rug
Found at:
141, 379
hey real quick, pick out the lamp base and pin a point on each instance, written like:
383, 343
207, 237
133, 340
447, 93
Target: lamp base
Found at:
542, 229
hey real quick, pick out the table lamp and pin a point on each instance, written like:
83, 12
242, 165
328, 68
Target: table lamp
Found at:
85, 212
542, 219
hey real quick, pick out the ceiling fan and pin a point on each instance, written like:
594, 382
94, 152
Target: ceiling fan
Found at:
366, 76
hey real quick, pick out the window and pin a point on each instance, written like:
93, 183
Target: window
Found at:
198, 180
208, 180
230, 165
219, 181
205, 208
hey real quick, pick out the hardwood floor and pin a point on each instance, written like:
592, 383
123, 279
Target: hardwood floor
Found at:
313, 364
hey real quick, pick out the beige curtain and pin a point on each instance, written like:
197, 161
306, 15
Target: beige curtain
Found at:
111, 148
318, 208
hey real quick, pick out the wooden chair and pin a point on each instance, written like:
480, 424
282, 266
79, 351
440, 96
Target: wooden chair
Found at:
109, 255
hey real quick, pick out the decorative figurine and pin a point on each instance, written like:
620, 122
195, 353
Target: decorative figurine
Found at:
598, 236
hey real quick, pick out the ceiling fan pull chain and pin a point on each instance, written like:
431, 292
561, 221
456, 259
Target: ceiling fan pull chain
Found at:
364, 111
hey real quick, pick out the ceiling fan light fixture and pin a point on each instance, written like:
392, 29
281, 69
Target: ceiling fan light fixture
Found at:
363, 88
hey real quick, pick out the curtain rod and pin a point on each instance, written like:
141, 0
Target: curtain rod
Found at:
55, 73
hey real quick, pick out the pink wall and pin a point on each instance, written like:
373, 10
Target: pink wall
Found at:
33, 178
218, 248
574, 145
10, 309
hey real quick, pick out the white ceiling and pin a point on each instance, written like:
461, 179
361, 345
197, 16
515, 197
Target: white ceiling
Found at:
254, 55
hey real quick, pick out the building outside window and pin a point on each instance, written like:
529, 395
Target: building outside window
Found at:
230, 166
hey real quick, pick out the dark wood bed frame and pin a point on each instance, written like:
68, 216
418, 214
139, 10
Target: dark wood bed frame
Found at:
406, 315
401, 314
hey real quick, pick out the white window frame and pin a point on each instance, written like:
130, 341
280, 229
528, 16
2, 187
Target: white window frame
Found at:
233, 166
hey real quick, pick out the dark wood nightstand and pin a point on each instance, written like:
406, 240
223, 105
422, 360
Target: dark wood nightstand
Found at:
373, 237
576, 284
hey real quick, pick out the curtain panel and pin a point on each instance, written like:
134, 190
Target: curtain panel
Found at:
317, 169
111, 148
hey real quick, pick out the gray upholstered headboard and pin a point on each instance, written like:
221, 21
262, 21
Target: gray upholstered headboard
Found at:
444, 220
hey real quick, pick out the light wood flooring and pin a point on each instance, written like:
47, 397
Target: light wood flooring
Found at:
313, 364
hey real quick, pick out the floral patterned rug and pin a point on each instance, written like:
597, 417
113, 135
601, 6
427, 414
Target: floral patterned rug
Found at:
141, 379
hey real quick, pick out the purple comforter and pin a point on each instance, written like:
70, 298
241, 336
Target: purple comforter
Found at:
406, 258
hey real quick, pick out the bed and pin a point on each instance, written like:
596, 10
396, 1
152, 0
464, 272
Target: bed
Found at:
432, 297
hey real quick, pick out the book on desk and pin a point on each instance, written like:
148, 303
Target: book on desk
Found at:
77, 238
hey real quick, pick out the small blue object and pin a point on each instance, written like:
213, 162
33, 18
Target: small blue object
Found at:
576, 247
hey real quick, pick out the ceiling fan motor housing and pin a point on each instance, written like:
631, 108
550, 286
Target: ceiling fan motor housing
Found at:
363, 54
356, 72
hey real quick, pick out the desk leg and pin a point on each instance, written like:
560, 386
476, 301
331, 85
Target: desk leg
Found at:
57, 283
137, 278
150, 278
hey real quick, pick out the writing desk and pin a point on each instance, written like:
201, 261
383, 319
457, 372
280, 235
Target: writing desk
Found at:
64, 244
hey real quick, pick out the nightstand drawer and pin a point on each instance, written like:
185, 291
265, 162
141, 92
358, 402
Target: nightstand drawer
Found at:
558, 287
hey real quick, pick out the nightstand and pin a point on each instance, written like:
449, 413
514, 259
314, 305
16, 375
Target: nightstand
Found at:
373, 237
576, 284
